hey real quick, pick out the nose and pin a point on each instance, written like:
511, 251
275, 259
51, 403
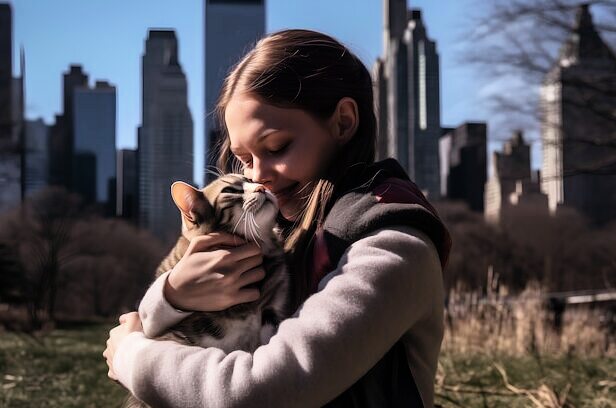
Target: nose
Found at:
260, 188
260, 172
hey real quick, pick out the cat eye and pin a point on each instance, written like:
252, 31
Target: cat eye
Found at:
231, 189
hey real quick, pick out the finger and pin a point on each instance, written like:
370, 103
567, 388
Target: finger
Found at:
215, 239
129, 317
251, 276
135, 324
247, 295
108, 361
244, 265
235, 255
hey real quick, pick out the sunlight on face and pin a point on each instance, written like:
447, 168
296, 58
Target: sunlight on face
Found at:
283, 149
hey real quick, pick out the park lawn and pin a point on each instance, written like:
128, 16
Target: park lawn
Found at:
66, 369
486, 380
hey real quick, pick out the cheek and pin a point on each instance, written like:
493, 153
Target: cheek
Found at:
309, 160
315, 159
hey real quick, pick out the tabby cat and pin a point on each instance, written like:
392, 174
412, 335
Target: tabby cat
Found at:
235, 205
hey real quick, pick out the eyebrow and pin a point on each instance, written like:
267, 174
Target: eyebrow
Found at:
236, 151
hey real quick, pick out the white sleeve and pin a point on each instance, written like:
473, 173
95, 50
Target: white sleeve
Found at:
384, 284
156, 313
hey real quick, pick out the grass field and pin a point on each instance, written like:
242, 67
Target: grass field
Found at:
483, 380
66, 369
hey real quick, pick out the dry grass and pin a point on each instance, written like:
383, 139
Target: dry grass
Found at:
494, 355
525, 324
500, 351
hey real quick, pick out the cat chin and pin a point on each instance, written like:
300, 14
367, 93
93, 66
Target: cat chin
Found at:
266, 216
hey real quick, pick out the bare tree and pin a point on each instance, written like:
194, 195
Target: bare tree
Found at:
561, 253
527, 45
66, 263
42, 229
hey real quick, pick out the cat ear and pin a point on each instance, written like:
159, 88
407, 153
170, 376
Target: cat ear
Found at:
190, 201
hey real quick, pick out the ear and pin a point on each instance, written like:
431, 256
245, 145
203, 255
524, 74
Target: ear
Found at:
191, 202
345, 120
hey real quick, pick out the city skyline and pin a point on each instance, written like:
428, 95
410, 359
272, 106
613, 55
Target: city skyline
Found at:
362, 33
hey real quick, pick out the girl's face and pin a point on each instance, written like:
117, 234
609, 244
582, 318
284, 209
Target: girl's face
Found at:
283, 149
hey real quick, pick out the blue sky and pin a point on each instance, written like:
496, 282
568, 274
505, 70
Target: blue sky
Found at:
107, 38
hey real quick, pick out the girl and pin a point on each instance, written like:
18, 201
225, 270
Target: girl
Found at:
367, 252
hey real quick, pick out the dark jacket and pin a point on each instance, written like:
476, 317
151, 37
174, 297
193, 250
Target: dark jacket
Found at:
373, 197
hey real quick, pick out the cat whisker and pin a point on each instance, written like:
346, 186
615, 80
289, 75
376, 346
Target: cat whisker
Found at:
214, 171
238, 222
247, 227
251, 228
246, 224
255, 228
237, 167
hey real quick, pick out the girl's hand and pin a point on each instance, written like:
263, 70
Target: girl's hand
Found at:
213, 274
129, 323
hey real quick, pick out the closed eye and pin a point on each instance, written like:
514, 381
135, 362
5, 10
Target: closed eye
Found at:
231, 189
279, 150
246, 162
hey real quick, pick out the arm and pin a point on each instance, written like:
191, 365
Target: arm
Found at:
384, 283
156, 313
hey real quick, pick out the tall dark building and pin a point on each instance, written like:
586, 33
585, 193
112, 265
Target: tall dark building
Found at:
231, 27
36, 155
12, 102
83, 175
463, 159
58, 153
407, 91
127, 185
6, 70
94, 139
578, 125
165, 136
82, 140
62, 132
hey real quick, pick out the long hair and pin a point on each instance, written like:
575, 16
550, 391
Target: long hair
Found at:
306, 70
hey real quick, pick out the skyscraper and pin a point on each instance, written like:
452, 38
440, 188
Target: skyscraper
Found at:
94, 135
6, 70
62, 131
578, 126
36, 155
408, 94
11, 116
165, 137
231, 27
127, 186
463, 159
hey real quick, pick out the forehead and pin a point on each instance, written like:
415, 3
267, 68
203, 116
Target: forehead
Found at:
247, 118
220, 183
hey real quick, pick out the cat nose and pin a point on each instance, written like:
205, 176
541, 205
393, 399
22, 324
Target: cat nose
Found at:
260, 189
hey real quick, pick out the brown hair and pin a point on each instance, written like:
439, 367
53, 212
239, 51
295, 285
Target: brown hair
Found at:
306, 70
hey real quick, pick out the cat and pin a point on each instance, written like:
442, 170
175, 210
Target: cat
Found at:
232, 204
